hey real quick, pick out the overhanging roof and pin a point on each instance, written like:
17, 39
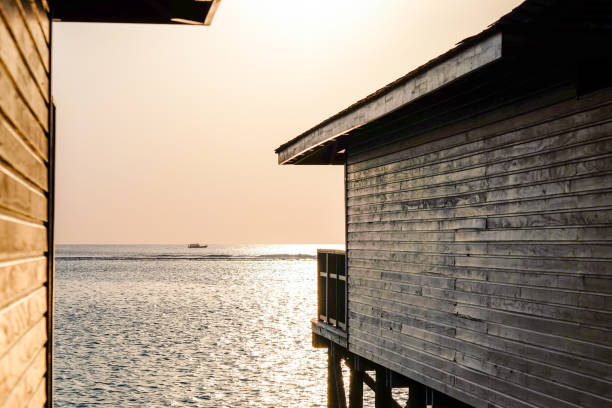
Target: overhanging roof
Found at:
538, 22
424, 80
197, 12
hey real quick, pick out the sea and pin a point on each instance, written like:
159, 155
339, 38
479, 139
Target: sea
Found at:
168, 326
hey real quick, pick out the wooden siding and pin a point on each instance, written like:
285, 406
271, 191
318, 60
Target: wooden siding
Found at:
480, 255
24, 192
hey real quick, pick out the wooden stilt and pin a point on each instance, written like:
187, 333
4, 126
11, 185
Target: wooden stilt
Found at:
340, 393
336, 396
416, 396
383, 391
332, 398
356, 389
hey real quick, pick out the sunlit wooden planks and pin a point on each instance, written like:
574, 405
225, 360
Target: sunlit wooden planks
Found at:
24, 189
29, 383
17, 319
16, 361
479, 255
14, 151
37, 63
18, 278
19, 196
21, 239
22, 76
39, 34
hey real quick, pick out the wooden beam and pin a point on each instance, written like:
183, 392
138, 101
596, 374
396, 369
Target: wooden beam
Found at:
211, 12
369, 381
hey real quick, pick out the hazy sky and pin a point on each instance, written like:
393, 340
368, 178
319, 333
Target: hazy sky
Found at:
166, 134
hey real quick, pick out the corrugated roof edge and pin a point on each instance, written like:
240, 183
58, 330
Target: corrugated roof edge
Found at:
492, 29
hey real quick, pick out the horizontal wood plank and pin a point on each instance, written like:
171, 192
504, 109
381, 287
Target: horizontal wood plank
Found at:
479, 257
20, 239
14, 151
35, 29
20, 72
40, 396
19, 196
29, 382
20, 117
19, 357
16, 24
43, 18
20, 277
20, 316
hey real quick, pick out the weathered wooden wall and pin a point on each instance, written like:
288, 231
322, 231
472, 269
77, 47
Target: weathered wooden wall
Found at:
24, 185
480, 255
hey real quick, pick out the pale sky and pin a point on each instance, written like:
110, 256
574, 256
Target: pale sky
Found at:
166, 134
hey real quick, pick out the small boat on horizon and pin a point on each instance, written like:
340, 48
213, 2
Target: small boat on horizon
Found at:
196, 245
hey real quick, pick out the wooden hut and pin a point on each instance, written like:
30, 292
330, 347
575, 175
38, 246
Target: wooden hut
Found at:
26, 175
478, 192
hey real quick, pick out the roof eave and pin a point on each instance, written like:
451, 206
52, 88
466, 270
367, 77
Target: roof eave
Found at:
189, 12
423, 81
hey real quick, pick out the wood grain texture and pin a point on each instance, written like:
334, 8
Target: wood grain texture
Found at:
18, 278
18, 117
19, 196
42, 16
21, 34
40, 396
19, 357
20, 73
36, 30
20, 239
16, 152
17, 319
28, 384
480, 256
24, 185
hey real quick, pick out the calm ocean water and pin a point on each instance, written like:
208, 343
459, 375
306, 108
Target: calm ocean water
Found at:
165, 326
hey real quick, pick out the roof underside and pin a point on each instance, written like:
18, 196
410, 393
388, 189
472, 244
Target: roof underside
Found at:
198, 12
534, 24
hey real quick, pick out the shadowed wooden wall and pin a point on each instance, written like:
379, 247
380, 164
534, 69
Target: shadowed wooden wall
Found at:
480, 253
24, 192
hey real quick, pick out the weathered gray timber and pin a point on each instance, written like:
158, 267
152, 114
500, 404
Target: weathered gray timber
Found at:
490, 297
479, 214
24, 192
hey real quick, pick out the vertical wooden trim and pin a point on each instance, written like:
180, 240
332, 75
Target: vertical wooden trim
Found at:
346, 252
50, 226
50, 255
326, 287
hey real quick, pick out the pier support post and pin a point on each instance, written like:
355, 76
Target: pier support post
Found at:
383, 391
336, 397
356, 389
416, 396
332, 398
